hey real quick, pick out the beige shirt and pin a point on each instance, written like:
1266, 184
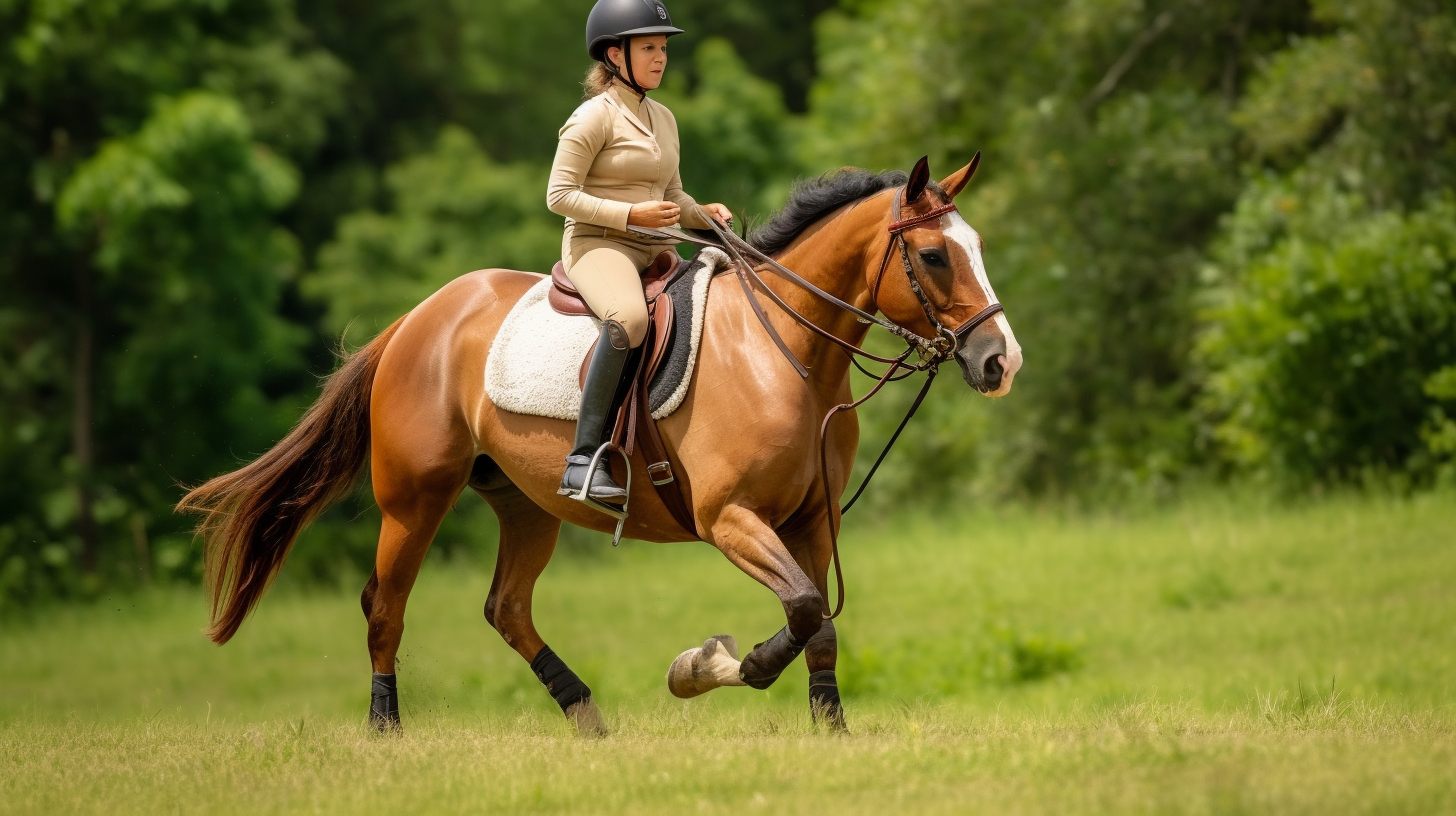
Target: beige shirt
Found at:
616, 151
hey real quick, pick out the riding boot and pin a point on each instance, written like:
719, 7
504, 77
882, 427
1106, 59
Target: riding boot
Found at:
603, 374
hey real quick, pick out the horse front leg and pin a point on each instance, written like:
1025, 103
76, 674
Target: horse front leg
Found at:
814, 550
753, 546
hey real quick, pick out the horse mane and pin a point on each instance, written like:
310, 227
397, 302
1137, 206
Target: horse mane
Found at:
813, 198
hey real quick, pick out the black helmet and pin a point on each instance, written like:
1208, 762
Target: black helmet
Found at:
614, 20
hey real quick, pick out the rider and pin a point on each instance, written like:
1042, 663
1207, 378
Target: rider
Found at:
617, 165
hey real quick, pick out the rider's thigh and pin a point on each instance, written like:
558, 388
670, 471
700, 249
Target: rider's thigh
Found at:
608, 281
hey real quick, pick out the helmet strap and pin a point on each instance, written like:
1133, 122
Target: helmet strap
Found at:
629, 79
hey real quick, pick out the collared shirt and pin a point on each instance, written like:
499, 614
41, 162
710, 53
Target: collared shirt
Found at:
617, 150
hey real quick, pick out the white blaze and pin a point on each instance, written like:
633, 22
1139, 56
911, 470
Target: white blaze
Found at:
964, 236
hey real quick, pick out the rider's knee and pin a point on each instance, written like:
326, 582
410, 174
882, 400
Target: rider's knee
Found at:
635, 322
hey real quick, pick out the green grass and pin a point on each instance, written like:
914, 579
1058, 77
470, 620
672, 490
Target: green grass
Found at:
1217, 657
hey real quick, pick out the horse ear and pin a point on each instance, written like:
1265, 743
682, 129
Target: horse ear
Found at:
957, 181
919, 177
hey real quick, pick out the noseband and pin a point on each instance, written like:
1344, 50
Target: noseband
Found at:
932, 351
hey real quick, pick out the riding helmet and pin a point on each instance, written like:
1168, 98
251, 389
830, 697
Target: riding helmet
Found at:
613, 20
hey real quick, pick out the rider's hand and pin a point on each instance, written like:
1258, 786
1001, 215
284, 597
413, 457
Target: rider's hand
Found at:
719, 212
653, 214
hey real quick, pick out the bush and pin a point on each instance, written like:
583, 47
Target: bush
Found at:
1320, 353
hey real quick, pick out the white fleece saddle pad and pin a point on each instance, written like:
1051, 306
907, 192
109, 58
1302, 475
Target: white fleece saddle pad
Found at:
535, 361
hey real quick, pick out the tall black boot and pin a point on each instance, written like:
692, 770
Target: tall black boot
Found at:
603, 374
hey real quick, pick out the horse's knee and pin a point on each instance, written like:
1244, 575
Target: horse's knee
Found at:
805, 612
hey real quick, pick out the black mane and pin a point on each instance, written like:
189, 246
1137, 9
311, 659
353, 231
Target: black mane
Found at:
812, 199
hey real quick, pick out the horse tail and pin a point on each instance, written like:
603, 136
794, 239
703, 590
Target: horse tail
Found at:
251, 517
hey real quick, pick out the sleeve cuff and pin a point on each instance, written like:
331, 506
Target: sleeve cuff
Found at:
693, 216
614, 214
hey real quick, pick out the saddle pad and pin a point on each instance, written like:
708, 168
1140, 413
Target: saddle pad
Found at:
534, 363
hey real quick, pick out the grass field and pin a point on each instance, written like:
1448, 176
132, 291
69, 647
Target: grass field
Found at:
1218, 657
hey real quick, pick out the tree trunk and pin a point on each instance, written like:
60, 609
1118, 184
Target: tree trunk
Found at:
82, 420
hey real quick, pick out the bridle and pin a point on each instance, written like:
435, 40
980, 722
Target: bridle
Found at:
932, 351
947, 340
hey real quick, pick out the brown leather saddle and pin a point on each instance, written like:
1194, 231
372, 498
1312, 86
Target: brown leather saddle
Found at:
635, 426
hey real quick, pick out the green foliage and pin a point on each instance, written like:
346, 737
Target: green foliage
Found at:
1141, 158
198, 197
1439, 431
734, 131
1314, 328
144, 263
454, 210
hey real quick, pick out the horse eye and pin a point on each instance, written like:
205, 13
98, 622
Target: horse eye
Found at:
932, 257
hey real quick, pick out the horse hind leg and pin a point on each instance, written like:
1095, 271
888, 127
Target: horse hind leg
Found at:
412, 505
527, 540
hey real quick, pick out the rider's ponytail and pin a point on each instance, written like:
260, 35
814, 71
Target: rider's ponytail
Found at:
598, 80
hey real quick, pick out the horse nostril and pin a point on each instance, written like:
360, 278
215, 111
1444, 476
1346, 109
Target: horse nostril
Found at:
994, 369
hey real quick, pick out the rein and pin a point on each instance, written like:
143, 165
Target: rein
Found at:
932, 351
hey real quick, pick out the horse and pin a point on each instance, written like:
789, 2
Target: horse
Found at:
411, 404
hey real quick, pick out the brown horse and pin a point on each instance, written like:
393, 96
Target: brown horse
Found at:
744, 440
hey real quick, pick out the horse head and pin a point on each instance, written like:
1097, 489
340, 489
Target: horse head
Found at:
932, 280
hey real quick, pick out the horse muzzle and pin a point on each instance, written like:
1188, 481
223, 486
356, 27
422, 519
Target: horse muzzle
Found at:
989, 358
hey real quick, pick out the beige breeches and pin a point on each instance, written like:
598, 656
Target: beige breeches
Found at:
608, 276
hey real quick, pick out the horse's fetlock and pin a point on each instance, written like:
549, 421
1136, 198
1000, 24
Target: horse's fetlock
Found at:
769, 659
564, 686
805, 612
822, 650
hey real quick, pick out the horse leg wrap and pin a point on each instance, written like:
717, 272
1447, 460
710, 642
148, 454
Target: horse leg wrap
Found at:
769, 659
561, 682
384, 703
824, 698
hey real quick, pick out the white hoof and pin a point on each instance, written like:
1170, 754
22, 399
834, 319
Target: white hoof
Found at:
698, 671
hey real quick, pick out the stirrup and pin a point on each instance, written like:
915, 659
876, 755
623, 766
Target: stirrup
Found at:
601, 457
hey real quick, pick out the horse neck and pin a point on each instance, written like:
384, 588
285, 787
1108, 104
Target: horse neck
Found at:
834, 255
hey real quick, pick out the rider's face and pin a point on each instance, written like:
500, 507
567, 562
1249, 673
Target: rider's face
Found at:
649, 59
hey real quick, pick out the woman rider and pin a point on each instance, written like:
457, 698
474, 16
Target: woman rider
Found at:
617, 165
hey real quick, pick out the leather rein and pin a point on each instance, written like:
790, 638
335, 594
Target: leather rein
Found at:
932, 351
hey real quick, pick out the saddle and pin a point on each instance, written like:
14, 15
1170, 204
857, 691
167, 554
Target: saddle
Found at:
634, 424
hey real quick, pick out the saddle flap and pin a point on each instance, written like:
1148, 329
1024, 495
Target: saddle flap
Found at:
661, 319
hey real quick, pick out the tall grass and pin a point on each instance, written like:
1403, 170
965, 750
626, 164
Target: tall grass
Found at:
1221, 656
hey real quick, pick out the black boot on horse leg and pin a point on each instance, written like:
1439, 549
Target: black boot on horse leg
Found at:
569, 692
603, 374
820, 655
384, 704
768, 660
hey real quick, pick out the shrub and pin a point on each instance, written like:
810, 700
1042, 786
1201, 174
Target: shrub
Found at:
1320, 352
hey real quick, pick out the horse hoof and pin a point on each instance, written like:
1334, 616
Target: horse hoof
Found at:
698, 671
587, 719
